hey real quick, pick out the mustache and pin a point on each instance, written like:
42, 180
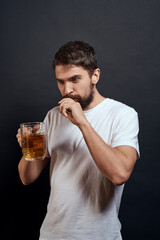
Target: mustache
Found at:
72, 96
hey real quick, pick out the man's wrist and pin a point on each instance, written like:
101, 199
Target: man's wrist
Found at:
84, 125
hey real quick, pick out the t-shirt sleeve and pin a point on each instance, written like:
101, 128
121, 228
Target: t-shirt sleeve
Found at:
126, 129
46, 121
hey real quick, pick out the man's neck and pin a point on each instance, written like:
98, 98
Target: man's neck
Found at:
97, 99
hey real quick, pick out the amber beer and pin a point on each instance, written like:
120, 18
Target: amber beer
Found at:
33, 141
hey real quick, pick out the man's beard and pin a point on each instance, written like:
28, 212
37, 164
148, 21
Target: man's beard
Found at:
84, 101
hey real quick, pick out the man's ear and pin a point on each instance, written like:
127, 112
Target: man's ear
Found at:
95, 76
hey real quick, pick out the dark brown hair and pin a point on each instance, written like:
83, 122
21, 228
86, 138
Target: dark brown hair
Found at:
76, 53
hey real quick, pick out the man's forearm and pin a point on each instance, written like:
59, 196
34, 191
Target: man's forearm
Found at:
29, 171
112, 163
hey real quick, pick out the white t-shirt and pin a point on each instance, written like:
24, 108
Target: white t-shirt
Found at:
83, 204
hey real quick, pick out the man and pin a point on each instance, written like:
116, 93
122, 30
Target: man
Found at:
92, 149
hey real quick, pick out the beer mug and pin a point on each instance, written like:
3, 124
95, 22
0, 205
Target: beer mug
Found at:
33, 137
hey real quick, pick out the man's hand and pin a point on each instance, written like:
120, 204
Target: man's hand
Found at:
26, 132
73, 111
29, 171
18, 136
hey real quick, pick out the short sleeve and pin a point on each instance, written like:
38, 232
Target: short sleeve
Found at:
126, 129
46, 122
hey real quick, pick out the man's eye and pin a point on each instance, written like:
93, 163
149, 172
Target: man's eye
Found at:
60, 81
75, 79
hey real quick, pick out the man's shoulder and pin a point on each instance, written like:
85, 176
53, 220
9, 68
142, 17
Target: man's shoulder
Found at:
52, 113
53, 110
119, 106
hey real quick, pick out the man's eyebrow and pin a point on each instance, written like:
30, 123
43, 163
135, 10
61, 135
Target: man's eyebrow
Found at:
75, 76
70, 78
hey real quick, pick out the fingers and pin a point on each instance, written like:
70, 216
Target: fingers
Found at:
35, 129
64, 109
18, 136
66, 106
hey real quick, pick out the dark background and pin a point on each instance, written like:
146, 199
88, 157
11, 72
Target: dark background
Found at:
126, 37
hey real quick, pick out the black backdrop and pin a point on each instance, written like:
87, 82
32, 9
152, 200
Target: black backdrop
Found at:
126, 37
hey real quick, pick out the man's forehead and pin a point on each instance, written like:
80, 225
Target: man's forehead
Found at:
68, 70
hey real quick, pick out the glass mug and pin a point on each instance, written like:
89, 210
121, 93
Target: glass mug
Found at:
33, 138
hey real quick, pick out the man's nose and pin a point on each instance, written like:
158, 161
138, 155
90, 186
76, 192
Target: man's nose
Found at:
68, 88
